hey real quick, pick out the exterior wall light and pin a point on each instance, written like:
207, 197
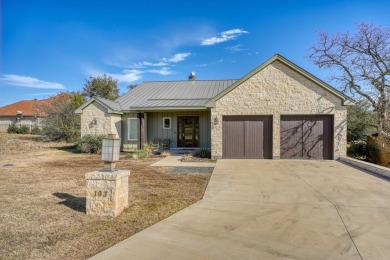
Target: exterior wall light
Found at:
216, 121
93, 123
110, 151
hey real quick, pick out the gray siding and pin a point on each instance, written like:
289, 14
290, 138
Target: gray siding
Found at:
155, 126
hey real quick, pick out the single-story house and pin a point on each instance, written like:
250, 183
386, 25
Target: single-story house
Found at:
27, 112
278, 110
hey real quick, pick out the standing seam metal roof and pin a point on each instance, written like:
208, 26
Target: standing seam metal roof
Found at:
113, 105
186, 93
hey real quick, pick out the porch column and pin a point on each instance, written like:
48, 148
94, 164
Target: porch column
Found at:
141, 130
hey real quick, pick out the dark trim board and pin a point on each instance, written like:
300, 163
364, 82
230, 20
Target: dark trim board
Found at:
247, 137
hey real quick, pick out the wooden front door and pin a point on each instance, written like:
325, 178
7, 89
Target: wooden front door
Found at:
188, 131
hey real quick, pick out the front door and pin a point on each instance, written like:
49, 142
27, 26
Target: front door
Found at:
188, 131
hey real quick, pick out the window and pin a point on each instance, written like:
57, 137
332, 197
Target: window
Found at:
132, 126
166, 123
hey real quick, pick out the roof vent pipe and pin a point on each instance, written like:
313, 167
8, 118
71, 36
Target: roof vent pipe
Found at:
192, 76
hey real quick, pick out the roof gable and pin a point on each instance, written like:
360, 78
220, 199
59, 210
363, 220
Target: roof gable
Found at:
277, 57
113, 107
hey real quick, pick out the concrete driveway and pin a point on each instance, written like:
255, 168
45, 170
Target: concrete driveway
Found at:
274, 209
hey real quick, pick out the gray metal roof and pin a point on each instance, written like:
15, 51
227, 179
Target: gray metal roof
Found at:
113, 105
169, 94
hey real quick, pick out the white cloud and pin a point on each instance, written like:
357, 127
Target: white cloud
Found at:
223, 37
29, 82
163, 71
236, 48
157, 64
139, 65
178, 57
127, 76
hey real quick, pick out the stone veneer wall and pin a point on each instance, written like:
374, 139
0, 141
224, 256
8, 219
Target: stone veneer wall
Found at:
106, 123
278, 90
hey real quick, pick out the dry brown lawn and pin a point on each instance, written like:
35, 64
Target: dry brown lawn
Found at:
42, 200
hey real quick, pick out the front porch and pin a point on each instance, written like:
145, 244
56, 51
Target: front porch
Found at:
174, 130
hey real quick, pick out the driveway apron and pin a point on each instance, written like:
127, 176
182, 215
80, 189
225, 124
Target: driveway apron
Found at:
274, 209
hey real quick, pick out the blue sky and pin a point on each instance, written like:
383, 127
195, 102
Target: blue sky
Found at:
51, 46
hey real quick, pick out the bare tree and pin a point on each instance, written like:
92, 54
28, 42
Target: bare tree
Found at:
361, 65
61, 122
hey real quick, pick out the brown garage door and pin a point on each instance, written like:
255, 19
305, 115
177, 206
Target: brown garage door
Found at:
247, 137
306, 137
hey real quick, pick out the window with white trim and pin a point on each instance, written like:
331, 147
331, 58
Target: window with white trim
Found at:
132, 129
167, 123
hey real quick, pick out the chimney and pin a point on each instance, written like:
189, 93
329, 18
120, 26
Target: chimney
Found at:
192, 76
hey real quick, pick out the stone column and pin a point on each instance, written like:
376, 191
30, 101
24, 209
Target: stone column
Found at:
107, 192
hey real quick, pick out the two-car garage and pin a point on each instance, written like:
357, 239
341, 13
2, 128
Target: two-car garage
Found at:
301, 137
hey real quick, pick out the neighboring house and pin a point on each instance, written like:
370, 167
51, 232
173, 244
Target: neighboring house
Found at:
26, 112
278, 110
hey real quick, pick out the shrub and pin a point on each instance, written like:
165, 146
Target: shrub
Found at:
148, 147
357, 150
35, 131
24, 129
203, 153
12, 129
139, 154
90, 144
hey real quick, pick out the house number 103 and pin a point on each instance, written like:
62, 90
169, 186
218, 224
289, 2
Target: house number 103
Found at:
100, 193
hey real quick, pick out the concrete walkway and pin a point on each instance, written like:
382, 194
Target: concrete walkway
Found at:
268, 209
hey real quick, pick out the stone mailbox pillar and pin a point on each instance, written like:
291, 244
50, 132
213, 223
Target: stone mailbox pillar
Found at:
108, 189
107, 192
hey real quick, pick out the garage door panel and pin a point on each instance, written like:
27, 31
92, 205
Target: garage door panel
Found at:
291, 137
306, 137
232, 136
328, 138
313, 133
254, 139
247, 137
267, 138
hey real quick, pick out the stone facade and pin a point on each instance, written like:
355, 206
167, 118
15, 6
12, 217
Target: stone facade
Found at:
278, 90
107, 192
96, 120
